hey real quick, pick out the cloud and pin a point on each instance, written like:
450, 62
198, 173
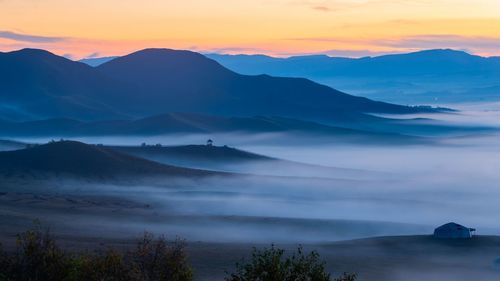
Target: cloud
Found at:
29, 37
444, 41
93, 55
369, 46
356, 53
230, 50
321, 8
340, 5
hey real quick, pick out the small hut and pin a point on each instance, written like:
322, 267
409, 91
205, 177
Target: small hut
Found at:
210, 142
453, 231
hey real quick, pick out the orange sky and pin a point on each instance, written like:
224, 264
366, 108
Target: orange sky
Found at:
275, 27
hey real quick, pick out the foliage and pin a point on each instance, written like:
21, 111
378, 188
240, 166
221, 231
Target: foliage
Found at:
38, 258
157, 260
273, 265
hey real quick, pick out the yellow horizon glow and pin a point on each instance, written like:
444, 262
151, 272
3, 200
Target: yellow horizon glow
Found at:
273, 27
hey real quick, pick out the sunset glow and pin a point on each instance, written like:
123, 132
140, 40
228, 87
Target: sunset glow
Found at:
276, 27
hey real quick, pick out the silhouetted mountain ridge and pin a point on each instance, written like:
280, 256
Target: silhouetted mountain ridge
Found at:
204, 86
39, 85
36, 84
431, 76
427, 62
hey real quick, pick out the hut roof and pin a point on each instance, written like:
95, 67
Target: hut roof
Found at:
452, 225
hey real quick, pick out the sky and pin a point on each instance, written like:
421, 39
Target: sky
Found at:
354, 28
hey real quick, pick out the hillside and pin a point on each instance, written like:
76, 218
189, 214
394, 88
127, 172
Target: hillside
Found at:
37, 84
194, 153
40, 85
229, 159
189, 82
11, 145
181, 123
79, 159
429, 62
430, 76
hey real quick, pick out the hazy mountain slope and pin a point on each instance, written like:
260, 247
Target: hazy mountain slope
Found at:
174, 123
429, 63
225, 158
432, 76
97, 61
6, 145
173, 80
79, 159
38, 84
195, 152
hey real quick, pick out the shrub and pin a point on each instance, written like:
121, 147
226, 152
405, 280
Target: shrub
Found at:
107, 266
38, 258
272, 265
155, 259
4, 264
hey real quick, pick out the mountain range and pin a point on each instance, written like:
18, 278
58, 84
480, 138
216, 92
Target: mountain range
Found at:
37, 85
445, 62
431, 76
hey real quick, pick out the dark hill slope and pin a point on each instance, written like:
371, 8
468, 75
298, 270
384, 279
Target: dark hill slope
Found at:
11, 145
38, 84
79, 159
194, 153
172, 80
178, 123
229, 159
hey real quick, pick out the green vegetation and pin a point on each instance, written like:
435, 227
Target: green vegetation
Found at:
38, 258
273, 265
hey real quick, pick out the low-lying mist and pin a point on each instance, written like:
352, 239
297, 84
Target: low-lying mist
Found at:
411, 189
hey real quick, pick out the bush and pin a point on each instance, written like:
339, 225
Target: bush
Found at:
108, 266
4, 264
38, 258
157, 260
272, 265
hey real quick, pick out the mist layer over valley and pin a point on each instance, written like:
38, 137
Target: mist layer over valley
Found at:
286, 192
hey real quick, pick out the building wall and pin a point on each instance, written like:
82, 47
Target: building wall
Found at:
452, 233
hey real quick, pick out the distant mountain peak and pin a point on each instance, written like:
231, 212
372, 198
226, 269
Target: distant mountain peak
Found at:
164, 53
152, 81
443, 53
35, 53
168, 61
32, 51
